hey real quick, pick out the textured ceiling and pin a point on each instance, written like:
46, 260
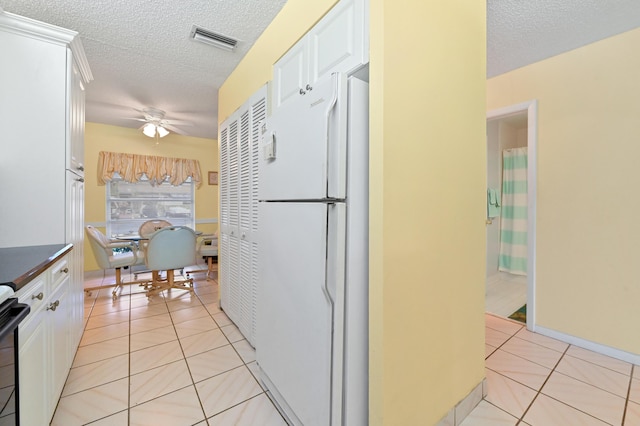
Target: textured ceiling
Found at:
521, 32
141, 55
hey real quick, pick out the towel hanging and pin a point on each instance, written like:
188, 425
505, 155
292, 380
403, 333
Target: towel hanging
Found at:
493, 203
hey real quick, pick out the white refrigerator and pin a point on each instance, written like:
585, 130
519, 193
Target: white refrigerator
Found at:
312, 307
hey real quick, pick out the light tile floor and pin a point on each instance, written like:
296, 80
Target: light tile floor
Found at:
176, 359
173, 359
505, 294
535, 380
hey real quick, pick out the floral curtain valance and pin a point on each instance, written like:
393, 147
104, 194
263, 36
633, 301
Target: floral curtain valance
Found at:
131, 167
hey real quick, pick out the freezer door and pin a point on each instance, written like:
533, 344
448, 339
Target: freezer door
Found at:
303, 145
301, 265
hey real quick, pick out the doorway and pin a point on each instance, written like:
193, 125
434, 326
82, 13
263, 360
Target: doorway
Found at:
511, 181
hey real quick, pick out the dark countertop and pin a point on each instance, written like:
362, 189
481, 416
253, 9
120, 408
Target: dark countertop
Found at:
20, 265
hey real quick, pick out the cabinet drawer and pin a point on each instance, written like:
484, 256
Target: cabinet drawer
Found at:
34, 295
59, 271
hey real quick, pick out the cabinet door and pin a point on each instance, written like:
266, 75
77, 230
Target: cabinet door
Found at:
291, 73
60, 349
75, 118
33, 359
338, 43
75, 235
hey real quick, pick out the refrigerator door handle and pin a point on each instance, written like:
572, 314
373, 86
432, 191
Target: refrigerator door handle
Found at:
336, 240
330, 108
336, 138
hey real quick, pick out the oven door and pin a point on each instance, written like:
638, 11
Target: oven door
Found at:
11, 313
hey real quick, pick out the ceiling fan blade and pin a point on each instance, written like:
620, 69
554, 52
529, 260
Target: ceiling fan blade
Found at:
177, 123
174, 129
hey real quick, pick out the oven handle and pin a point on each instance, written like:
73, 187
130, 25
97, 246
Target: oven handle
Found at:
18, 312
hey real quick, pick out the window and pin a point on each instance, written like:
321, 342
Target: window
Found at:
131, 204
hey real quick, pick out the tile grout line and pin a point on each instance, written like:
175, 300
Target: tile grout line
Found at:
200, 304
244, 363
539, 391
184, 355
565, 353
626, 401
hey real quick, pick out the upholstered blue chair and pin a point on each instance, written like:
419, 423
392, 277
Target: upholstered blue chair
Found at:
102, 248
168, 249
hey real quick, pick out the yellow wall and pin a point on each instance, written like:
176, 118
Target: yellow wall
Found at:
588, 187
427, 206
428, 160
100, 137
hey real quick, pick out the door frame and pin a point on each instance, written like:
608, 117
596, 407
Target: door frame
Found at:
531, 108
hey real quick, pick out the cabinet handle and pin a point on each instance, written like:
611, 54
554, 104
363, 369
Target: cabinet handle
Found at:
302, 91
80, 179
65, 270
53, 306
38, 296
309, 88
81, 168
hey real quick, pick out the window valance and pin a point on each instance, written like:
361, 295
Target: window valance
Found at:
131, 167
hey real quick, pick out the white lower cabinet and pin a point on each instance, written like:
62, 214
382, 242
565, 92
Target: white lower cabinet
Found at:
32, 360
59, 324
47, 346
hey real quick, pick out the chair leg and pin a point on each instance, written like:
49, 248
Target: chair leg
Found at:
114, 293
158, 285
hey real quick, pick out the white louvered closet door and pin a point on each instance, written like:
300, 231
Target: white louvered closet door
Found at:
223, 249
239, 182
233, 305
258, 115
244, 323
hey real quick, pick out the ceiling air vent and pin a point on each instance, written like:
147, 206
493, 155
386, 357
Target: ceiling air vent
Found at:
215, 39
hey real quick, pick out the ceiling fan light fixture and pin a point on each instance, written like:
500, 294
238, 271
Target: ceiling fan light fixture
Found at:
162, 132
149, 129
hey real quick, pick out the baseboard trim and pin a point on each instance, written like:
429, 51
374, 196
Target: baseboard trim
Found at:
588, 344
464, 407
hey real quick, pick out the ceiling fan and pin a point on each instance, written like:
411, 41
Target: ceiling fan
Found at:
155, 125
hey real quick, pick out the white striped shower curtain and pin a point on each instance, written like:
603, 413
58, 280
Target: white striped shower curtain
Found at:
513, 220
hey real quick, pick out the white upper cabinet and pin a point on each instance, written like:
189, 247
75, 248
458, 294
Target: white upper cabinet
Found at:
43, 72
291, 73
339, 42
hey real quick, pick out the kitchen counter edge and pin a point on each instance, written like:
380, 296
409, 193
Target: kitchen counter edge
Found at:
20, 265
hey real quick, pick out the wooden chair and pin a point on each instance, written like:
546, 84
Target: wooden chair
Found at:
151, 226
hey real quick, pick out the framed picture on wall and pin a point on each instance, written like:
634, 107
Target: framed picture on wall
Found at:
213, 178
